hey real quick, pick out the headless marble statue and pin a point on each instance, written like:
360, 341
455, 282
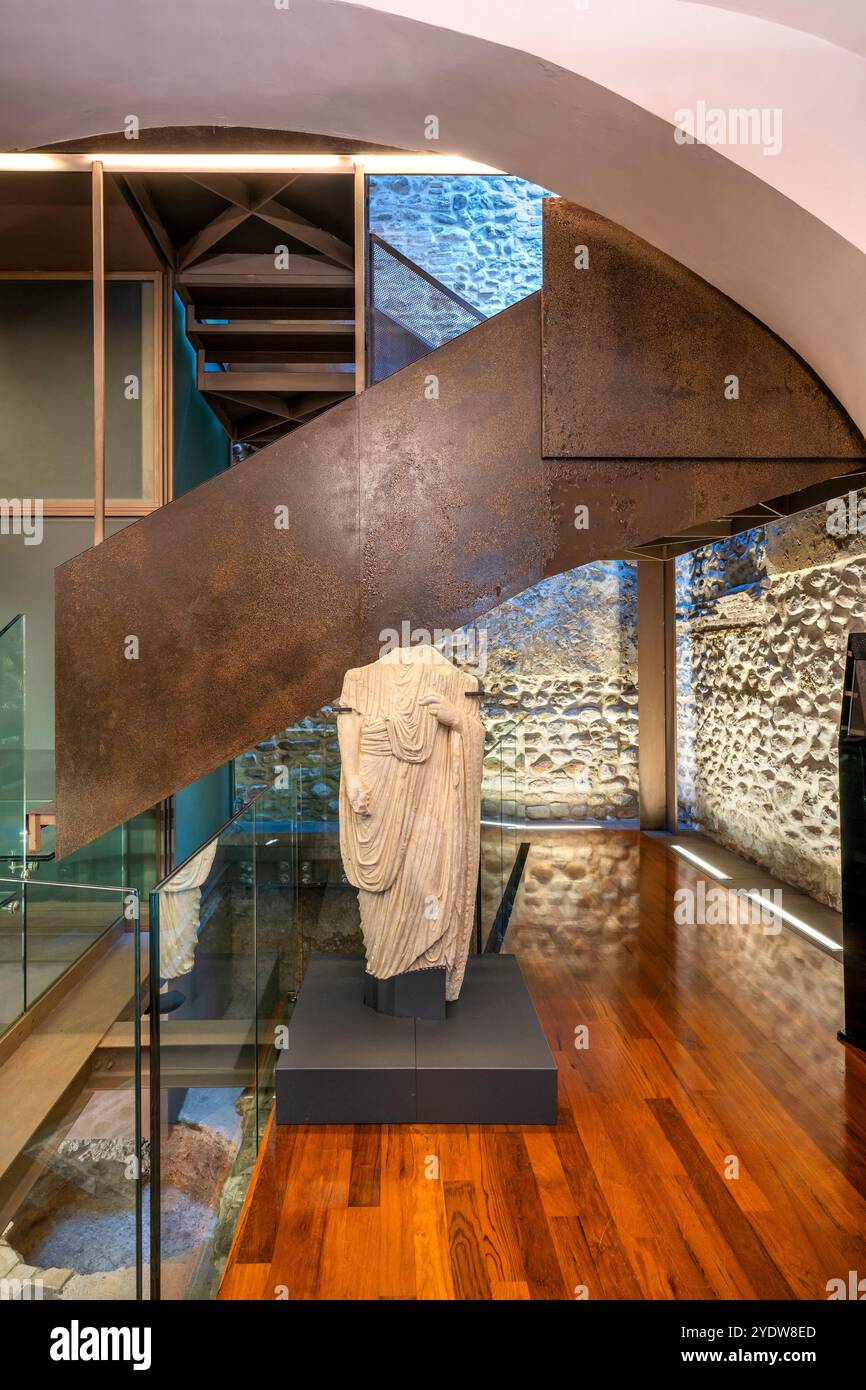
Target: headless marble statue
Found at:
410, 793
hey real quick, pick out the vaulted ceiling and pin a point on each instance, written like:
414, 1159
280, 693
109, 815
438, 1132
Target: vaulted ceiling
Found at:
580, 100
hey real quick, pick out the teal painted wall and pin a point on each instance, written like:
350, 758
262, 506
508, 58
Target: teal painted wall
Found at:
201, 445
200, 809
201, 450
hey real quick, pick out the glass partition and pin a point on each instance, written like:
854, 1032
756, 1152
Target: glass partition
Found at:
409, 312
12, 818
46, 337
278, 953
70, 910
232, 932
76, 1143
503, 812
12, 953
12, 779
328, 915
66, 909
445, 253
223, 957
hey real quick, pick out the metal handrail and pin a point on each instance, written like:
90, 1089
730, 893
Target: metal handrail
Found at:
70, 883
210, 839
19, 617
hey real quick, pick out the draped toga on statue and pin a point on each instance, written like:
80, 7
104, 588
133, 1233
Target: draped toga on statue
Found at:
412, 847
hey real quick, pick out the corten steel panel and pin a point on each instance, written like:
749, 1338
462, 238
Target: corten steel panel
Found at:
402, 508
636, 349
241, 627
452, 487
635, 501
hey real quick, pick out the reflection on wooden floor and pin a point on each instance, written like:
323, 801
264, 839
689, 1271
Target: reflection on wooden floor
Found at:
710, 1049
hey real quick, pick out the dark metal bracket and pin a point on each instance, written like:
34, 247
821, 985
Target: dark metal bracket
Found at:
503, 914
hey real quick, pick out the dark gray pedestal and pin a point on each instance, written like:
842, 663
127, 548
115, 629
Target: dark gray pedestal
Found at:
486, 1063
415, 994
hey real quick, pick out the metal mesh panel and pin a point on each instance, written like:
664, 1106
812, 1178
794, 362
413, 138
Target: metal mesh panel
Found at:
410, 312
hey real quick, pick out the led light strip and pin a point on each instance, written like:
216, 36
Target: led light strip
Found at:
765, 903
794, 921
129, 162
542, 825
702, 863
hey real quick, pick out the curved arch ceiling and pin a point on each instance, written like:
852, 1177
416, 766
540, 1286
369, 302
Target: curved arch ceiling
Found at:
840, 21
580, 100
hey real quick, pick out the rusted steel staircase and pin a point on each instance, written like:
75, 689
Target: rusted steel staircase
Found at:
274, 350
426, 507
266, 269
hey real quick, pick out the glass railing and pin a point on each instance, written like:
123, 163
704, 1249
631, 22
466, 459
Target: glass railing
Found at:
503, 812
232, 930
74, 1152
66, 911
12, 771
13, 820
409, 312
223, 955
120, 1201
47, 929
328, 916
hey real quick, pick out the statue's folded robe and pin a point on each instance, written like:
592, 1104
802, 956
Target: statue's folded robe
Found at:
414, 857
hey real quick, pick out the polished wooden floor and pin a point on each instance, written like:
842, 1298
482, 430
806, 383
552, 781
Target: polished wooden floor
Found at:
710, 1048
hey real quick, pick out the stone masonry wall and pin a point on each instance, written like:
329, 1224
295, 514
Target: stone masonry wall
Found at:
762, 623
560, 658
481, 236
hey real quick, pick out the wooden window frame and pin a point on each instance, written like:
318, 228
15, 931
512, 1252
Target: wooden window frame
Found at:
122, 506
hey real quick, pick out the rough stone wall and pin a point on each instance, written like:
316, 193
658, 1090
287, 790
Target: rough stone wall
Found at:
312, 754
762, 622
560, 658
481, 236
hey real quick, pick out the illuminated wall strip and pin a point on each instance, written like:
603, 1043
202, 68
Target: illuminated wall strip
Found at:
542, 825
756, 896
794, 921
131, 163
702, 863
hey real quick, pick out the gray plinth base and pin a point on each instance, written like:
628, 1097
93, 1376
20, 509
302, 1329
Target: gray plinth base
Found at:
487, 1062
414, 994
